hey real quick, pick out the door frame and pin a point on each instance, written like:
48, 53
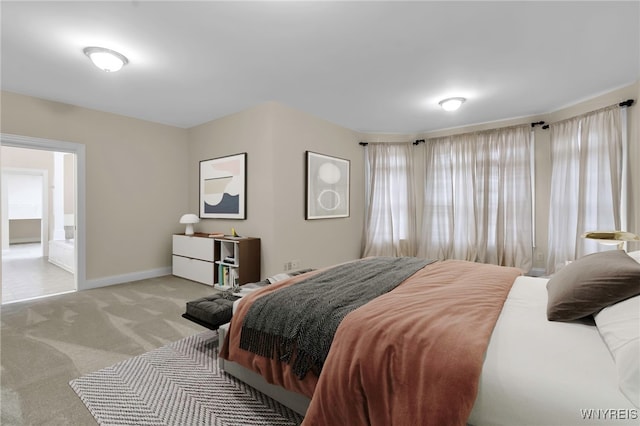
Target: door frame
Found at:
28, 142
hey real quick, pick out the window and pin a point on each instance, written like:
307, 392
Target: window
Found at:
389, 197
460, 197
586, 182
478, 198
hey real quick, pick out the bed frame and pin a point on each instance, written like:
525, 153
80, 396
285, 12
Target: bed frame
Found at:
297, 402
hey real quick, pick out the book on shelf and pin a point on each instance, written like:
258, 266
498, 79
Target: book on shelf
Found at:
223, 275
216, 235
227, 276
233, 277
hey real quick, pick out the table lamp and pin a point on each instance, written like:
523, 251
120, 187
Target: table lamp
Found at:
611, 237
189, 219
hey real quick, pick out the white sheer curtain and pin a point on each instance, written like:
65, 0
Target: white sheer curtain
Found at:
461, 197
477, 198
586, 183
389, 201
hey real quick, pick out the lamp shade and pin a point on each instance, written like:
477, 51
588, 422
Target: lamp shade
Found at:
189, 219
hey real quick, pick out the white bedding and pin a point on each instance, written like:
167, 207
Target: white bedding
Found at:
543, 373
538, 372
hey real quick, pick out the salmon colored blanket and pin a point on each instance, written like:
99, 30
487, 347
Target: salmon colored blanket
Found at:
412, 356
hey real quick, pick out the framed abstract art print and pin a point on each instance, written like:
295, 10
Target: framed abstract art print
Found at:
223, 187
327, 186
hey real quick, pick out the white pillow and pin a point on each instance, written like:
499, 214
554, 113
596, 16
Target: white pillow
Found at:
285, 275
619, 326
635, 255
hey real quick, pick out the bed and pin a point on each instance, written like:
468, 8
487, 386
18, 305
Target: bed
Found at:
505, 364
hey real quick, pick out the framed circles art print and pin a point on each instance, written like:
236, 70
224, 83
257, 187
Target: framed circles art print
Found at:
223, 187
327, 186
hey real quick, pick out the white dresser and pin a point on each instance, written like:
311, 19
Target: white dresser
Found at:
193, 257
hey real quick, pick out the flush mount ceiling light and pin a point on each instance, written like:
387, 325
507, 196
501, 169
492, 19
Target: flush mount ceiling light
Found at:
106, 59
451, 104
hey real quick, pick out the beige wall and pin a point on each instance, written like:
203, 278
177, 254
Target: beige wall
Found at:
275, 139
543, 165
136, 175
20, 158
25, 230
318, 242
141, 177
248, 131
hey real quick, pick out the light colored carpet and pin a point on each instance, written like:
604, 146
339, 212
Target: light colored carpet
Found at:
46, 343
178, 384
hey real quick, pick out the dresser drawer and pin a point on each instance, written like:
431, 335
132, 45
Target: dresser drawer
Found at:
194, 247
193, 269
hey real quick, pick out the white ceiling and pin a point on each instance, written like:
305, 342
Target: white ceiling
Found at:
368, 66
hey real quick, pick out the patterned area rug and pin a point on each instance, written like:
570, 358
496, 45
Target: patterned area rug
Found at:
177, 384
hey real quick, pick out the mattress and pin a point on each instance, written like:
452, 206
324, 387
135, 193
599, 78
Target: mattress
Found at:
538, 372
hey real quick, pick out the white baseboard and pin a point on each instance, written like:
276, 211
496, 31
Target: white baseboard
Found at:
125, 278
62, 265
24, 240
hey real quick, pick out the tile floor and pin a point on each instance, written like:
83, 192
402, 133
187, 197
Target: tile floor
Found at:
27, 275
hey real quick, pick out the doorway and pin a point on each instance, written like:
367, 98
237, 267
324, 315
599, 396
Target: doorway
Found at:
42, 217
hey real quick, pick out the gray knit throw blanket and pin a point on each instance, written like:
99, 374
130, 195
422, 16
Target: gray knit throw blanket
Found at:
296, 324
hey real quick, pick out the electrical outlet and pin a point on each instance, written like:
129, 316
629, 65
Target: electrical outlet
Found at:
292, 264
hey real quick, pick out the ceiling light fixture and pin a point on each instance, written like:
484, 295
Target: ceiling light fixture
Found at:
451, 104
106, 59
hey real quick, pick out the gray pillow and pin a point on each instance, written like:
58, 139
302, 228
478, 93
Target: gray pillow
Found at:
591, 283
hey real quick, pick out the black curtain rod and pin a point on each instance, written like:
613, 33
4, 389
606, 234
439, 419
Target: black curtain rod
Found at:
627, 103
624, 104
415, 143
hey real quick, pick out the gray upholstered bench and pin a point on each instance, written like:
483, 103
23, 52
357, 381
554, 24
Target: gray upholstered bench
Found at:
211, 311
217, 309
